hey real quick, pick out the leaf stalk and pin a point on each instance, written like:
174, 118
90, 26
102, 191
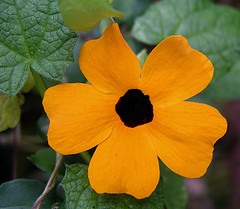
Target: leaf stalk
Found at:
40, 84
110, 20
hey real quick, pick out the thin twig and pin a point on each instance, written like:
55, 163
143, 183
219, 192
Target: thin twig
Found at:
51, 183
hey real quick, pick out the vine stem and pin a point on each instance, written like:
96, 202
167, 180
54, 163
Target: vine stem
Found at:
86, 156
51, 183
110, 20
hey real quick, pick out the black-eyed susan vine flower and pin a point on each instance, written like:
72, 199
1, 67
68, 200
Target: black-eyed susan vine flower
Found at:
134, 115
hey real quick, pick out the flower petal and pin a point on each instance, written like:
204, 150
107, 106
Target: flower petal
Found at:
125, 163
184, 136
80, 117
109, 64
174, 72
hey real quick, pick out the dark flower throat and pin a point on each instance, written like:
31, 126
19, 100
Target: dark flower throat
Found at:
134, 108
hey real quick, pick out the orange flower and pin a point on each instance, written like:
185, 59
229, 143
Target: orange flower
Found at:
134, 115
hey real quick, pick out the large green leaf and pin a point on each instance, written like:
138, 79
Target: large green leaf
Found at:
130, 8
125, 6
79, 194
10, 112
210, 28
85, 15
32, 34
22, 193
228, 87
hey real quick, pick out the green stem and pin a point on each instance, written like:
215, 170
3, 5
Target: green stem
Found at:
86, 156
110, 20
51, 183
40, 84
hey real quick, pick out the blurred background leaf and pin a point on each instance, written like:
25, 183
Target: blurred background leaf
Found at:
73, 74
45, 160
210, 28
85, 15
127, 7
228, 87
142, 56
130, 8
10, 112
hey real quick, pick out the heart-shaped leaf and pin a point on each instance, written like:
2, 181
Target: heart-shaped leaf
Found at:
32, 35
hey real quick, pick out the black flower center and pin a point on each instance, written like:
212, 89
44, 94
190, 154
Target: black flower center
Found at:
134, 108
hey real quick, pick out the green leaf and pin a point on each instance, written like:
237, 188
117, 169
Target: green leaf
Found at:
125, 6
130, 8
226, 88
22, 193
32, 34
134, 45
45, 160
85, 15
79, 194
174, 191
141, 6
142, 56
10, 112
42, 125
73, 74
76, 49
210, 28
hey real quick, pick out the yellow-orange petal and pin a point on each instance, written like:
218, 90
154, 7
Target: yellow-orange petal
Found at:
125, 163
80, 117
175, 72
109, 64
184, 135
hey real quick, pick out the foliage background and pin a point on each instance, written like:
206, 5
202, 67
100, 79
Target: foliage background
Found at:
219, 188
